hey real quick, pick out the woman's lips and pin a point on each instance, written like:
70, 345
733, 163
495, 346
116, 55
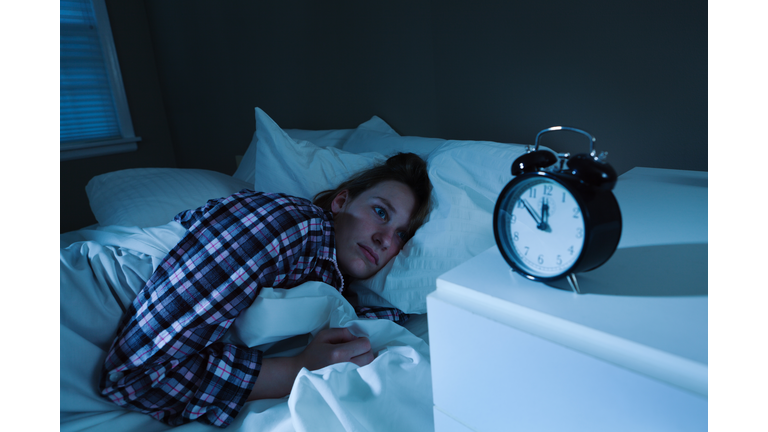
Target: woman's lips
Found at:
370, 254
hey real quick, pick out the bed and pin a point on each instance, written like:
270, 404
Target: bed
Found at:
103, 266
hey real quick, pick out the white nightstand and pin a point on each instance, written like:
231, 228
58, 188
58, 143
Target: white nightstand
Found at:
628, 354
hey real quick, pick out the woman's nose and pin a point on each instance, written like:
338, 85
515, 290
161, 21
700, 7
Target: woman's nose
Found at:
384, 238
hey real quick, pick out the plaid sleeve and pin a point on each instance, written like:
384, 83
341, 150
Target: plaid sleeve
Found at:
188, 217
167, 361
391, 314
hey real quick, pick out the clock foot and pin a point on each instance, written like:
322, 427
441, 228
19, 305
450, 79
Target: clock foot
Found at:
574, 283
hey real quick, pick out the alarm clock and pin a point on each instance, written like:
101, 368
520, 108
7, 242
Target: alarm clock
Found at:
558, 216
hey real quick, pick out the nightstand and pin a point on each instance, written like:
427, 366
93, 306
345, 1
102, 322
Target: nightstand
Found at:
629, 353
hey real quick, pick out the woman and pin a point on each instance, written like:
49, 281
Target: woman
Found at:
167, 360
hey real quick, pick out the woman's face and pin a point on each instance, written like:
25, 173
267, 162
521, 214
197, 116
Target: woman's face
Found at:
371, 228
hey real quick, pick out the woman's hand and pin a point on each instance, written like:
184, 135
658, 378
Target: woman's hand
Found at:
330, 346
336, 345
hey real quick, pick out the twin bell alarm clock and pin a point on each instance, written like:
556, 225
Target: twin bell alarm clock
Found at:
558, 216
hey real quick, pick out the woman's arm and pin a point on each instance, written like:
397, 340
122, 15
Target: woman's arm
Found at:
330, 346
168, 360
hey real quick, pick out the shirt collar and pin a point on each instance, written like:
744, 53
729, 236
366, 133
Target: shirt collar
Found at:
328, 249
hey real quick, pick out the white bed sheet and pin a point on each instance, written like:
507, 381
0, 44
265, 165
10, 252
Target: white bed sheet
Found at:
394, 392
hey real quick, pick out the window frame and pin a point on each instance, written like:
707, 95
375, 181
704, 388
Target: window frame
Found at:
71, 150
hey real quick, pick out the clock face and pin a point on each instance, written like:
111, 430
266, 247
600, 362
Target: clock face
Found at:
541, 227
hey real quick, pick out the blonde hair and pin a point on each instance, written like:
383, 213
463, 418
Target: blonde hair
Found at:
406, 168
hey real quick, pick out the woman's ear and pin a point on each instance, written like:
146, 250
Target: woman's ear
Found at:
339, 202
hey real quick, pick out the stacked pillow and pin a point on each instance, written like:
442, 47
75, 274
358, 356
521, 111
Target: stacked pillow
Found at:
335, 138
467, 177
297, 167
147, 197
376, 136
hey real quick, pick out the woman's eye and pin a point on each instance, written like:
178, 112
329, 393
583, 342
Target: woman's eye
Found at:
381, 212
401, 235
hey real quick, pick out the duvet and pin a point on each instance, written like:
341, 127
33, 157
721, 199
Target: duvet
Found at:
103, 268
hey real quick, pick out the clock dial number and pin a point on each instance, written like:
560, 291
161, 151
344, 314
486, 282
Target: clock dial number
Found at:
576, 212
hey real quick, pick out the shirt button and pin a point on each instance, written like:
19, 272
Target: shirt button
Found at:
115, 376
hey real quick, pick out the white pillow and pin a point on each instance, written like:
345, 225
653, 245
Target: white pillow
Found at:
467, 178
376, 124
300, 168
147, 197
321, 138
246, 171
373, 136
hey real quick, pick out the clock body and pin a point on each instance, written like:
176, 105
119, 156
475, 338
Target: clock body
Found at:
551, 224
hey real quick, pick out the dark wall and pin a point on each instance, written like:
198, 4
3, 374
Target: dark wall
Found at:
308, 64
634, 74
128, 20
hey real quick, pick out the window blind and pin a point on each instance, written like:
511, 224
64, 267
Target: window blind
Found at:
87, 107
93, 110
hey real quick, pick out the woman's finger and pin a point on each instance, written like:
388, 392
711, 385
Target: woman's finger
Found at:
362, 359
345, 351
336, 335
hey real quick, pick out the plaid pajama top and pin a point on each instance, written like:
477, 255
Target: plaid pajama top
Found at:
166, 360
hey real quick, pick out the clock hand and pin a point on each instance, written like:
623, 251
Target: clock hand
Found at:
533, 213
544, 226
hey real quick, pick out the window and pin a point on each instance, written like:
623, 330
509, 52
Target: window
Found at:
94, 118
